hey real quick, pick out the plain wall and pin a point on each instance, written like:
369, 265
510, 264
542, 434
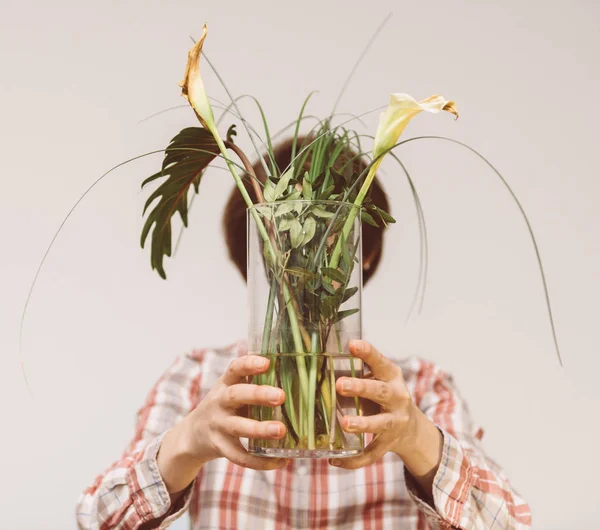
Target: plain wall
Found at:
77, 77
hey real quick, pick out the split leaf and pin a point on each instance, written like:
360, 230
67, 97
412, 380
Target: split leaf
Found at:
186, 158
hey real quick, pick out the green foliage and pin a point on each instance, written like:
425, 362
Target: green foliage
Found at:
186, 158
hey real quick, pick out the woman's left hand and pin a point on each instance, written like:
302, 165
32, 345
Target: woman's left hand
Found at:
399, 426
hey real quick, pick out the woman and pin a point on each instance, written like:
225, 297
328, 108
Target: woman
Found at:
425, 468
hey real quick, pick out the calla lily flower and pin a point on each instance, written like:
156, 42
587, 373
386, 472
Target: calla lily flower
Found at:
393, 121
192, 87
401, 110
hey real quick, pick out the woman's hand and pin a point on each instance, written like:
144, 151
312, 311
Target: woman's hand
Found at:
399, 426
213, 429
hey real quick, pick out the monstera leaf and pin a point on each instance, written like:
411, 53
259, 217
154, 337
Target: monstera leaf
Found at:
186, 158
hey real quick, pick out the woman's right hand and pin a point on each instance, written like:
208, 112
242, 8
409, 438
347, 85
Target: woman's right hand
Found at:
213, 429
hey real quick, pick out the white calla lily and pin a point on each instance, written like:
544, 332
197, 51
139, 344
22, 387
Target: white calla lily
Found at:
401, 110
393, 121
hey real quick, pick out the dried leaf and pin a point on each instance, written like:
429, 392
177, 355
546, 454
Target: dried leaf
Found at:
231, 132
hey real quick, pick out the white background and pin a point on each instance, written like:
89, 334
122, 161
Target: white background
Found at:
77, 76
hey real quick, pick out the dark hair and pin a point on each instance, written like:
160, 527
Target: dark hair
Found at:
234, 218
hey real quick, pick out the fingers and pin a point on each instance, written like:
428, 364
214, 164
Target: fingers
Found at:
241, 394
380, 392
243, 367
247, 428
377, 424
381, 366
374, 451
235, 452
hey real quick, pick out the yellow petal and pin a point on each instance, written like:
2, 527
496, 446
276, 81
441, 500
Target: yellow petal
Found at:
401, 110
192, 87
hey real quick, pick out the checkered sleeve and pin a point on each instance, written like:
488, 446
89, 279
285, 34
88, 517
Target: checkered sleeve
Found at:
131, 493
470, 491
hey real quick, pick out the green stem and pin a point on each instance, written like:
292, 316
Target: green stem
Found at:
312, 390
352, 373
269, 317
289, 402
301, 417
337, 252
299, 347
332, 422
325, 412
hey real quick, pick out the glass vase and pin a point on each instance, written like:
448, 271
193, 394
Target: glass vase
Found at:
304, 294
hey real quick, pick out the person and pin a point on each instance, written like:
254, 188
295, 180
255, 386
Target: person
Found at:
425, 467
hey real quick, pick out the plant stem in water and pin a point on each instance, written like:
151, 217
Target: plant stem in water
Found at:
332, 423
312, 391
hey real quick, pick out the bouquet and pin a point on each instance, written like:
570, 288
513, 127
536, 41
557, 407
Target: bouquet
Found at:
304, 251
304, 247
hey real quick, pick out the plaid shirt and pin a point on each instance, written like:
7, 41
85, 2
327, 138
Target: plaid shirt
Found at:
469, 491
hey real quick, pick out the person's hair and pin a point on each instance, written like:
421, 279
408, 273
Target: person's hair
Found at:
234, 218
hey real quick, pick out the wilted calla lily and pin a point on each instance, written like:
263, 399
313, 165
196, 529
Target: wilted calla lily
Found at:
192, 87
401, 110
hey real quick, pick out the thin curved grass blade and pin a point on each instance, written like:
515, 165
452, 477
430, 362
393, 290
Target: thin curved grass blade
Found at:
419, 296
234, 102
359, 61
161, 112
525, 218
49, 248
298, 122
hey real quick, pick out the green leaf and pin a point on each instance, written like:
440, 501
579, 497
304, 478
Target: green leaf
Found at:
186, 158
285, 223
346, 313
327, 192
334, 274
294, 196
307, 189
329, 288
327, 180
346, 260
269, 260
385, 217
368, 218
265, 211
349, 293
305, 274
310, 226
296, 235
269, 191
320, 212
283, 208
283, 182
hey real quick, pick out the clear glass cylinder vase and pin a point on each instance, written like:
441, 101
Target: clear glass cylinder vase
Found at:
304, 295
